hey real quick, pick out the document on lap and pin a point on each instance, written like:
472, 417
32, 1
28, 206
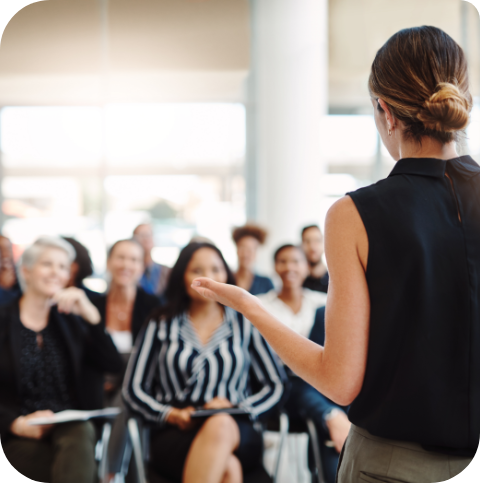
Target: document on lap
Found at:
206, 413
75, 415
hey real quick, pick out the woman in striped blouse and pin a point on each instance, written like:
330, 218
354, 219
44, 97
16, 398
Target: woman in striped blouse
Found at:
200, 354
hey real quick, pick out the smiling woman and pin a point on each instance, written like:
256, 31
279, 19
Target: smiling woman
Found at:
53, 339
303, 311
195, 354
123, 310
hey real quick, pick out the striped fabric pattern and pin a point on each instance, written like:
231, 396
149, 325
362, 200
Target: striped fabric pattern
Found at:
170, 367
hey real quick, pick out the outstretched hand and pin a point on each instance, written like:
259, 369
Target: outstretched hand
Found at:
235, 297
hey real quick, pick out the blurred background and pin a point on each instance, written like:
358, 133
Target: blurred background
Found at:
196, 115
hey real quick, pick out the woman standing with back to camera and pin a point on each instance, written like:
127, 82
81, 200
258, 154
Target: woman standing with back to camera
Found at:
403, 313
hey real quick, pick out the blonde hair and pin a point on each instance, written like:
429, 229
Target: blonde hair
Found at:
421, 74
34, 251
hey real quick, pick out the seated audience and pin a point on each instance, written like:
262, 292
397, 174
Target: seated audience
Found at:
9, 286
123, 309
49, 339
125, 305
312, 244
302, 310
155, 276
198, 354
81, 268
247, 239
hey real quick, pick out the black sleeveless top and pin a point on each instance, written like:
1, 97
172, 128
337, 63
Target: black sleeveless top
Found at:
422, 381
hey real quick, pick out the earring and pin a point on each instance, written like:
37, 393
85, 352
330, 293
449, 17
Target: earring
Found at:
389, 132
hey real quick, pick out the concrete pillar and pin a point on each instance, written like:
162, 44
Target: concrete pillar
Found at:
287, 98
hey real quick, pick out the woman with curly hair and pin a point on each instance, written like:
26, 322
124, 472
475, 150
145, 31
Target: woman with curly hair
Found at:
248, 238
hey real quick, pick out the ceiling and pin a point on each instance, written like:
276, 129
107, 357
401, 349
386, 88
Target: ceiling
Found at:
157, 50
193, 50
358, 28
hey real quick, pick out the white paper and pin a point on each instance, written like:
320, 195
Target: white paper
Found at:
74, 415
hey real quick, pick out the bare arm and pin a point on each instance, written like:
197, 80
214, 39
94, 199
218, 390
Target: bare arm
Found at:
338, 369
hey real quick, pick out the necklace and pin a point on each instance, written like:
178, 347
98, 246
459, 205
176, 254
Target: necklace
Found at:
120, 312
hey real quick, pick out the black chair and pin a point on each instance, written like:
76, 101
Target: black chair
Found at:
139, 439
284, 426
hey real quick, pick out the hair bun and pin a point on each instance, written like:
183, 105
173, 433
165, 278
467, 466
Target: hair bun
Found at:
446, 110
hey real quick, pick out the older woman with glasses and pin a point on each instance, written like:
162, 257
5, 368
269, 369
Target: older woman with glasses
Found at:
51, 343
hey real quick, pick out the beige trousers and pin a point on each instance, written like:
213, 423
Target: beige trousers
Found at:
368, 458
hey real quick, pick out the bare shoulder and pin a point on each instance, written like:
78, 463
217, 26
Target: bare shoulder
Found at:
344, 210
344, 225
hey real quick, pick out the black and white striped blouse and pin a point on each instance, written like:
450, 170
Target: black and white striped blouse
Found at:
170, 367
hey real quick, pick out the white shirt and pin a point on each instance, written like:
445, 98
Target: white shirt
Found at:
301, 322
123, 340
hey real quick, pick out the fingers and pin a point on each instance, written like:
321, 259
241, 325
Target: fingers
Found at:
66, 299
73, 300
204, 282
186, 420
223, 293
206, 288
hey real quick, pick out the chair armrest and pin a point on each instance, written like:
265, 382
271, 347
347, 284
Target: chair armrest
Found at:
284, 424
102, 455
312, 432
136, 441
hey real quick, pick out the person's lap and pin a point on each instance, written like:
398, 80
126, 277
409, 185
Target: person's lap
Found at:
169, 448
367, 458
65, 456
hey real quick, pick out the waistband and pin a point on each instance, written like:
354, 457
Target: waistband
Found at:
402, 444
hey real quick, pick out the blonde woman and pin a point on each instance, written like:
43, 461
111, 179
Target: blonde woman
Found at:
51, 344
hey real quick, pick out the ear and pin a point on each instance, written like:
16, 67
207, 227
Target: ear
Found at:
388, 114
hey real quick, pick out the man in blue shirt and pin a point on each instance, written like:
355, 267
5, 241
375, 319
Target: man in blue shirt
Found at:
154, 279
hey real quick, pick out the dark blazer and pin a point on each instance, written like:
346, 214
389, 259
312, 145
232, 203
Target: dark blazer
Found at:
142, 307
90, 349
